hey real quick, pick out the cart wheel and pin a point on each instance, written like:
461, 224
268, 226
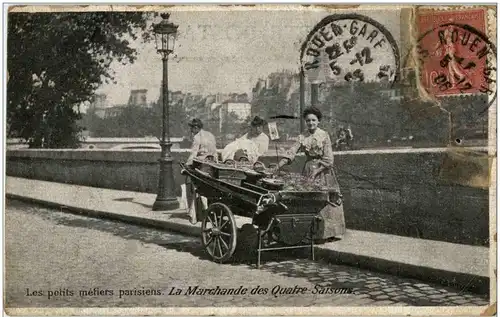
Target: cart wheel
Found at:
219, 232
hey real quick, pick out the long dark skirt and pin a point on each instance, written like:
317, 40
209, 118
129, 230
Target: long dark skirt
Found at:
333, 224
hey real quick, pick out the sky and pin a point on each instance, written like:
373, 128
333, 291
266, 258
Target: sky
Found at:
226, 51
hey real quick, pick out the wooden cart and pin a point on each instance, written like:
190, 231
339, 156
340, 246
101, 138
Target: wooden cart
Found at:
282, 219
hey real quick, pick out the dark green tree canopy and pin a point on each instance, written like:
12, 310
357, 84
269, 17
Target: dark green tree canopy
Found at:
56, 61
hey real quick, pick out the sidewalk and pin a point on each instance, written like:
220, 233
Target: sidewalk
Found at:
458, 265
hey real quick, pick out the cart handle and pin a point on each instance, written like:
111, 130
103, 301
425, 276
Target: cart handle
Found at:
264, 200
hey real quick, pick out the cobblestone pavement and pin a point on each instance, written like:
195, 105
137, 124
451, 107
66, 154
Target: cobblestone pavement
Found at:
47, 250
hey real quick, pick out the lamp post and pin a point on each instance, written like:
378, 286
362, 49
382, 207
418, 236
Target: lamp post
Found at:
165, 34
302, 98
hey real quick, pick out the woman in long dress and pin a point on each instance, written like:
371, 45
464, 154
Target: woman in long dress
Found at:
318, 168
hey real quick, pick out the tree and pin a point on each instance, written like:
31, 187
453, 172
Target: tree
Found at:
274, 102
132, 122
56, 61
232, 126
136, 121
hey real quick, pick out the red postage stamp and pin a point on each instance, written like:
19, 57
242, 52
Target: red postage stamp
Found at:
454, 52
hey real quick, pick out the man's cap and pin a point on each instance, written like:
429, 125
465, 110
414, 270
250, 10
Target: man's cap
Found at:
257, 121
195, 123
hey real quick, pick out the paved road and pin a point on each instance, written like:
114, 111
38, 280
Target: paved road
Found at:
59, 254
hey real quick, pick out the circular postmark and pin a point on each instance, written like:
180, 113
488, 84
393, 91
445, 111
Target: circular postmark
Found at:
350, 47
457, 59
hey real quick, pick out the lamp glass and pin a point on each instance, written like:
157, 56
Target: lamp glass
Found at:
165, 35
171, 41
158, 41
164, 42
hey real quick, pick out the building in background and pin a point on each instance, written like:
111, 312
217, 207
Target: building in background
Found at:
217, 108
100, 101
214, 117
279, 94
138, 97
98, 105
114, 111
240, 110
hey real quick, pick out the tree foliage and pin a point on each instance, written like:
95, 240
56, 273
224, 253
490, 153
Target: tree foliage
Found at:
274, 102
372, 116
133, 121
56, 61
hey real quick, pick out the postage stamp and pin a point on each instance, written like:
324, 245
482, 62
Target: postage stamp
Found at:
456, 54
250, 160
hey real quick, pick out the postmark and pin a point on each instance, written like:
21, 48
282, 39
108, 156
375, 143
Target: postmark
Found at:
350, 47
455, 55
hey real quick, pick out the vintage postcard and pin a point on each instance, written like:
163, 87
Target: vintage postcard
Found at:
250, 160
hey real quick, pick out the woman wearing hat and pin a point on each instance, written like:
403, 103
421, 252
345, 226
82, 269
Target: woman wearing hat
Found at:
257, 135
251, 146
318, 168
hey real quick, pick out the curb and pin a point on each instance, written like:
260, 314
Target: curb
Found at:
138, 221
463, 281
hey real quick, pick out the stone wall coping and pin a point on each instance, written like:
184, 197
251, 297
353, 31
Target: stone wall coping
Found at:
128, 140
152, 155
88, 140
30, 152
412, 150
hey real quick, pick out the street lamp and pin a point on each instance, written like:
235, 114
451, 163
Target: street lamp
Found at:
165, 34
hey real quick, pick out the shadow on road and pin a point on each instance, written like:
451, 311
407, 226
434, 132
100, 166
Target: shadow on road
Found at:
382, 288
131, 200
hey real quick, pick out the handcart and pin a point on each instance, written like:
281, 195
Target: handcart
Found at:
283, 219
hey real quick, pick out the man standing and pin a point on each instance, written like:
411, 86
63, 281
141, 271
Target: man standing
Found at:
349, 137
344, 138
204, 146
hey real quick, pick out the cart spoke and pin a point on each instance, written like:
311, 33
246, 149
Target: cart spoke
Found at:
210, 241
224, 242
225, 234
225, 223
213, 249
220, 218
210, 219
219, 247
216, 223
